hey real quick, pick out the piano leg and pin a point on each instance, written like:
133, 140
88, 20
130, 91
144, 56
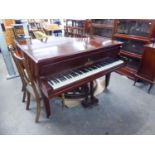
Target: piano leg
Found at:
85, 101
107, 79
47, 106
92, 100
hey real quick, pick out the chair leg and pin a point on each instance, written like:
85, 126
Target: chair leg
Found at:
22, 87
150, 88
38, 108
28, 101
24, 96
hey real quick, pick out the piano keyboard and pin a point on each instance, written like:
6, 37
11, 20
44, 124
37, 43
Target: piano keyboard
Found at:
79, 74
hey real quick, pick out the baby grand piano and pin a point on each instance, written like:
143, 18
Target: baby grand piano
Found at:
62, 64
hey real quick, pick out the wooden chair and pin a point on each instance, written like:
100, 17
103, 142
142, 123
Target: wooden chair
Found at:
29, 86
12, 51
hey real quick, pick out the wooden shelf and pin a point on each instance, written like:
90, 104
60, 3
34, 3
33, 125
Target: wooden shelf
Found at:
73, 27
131, 37
130, 54
102, 25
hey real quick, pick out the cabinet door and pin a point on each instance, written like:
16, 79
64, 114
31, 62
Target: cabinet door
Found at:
136, 28
147, 67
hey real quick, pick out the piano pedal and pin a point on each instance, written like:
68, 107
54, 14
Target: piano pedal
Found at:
89, 103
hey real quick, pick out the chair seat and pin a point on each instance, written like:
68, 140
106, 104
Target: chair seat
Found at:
39, 35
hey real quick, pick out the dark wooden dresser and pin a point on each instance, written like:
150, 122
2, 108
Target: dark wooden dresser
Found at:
146, 69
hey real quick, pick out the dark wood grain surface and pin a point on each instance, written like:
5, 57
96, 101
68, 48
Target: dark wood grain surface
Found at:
57, 47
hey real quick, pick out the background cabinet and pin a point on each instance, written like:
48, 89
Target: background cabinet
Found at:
8, 33
146, 70
102, 27
134, 34
76, 28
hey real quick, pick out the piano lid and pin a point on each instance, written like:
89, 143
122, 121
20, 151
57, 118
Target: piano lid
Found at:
56, 47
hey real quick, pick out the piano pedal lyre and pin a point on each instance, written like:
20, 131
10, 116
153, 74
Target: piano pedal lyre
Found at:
63, 100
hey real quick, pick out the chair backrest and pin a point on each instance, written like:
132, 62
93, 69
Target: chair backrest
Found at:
24, 71
12, 50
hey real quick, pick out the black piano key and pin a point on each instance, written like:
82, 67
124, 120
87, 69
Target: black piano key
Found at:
74, 73
64, 78
68, 76
103, 63
55, 80
94, 67
79, 72
89, 68
98, 65
61, 78
85, 70
109, 60
51, 82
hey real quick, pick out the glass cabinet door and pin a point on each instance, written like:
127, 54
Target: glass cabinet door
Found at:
133, 46
103, 21
137, 28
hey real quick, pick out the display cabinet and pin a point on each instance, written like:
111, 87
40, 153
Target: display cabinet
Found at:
76, 28
102, 27
146, 70
135, 34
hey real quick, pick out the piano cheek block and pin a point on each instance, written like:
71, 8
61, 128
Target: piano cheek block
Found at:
45, 88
